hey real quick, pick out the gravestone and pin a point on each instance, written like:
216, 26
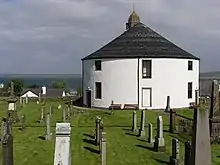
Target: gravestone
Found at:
134, 122
7, 150
103, 149
64, 115
159, 144
20, 100
175, 158
6, 127
172, 125
168, 104
150, 133
62, 146
42, 115
142, 125
101, 129
23, 122
201, 149
39, 97
26, 99
48, 132
188, 152
214, 109
97, 137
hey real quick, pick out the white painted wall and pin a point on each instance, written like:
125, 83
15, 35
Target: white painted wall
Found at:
119, 82
29, 94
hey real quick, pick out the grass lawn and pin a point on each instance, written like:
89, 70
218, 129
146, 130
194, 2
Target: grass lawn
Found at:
123, 147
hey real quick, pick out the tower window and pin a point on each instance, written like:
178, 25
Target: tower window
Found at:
190, 90
190, 65
146, 69
98, 90
98, 65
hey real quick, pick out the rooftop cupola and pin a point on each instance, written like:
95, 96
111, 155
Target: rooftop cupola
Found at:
132, 20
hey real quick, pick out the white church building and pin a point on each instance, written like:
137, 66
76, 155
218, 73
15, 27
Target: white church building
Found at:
142, 68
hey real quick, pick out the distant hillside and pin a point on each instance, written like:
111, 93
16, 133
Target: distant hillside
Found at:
210, 75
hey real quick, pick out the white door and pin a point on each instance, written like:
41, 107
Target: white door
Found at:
146, 97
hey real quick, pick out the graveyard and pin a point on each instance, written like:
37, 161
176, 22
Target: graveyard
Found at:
123, 145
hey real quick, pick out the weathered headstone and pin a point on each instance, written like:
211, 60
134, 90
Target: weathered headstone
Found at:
188, 152
23, 122
175, 158
172, 125
20, 100
26, 99
62, 147
97, 137
7, 150
201, 149
142, 125
12, 88
168, 104
150, 133
64, 115
39, 97
48, 132
42, 114
214, 109
100, 133
159, 144
134, 122
103, 149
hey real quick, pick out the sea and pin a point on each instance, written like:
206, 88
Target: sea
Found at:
72, 82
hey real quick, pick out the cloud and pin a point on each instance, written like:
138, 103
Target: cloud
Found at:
51, 36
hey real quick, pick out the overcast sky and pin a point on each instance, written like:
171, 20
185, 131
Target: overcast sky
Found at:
51, 36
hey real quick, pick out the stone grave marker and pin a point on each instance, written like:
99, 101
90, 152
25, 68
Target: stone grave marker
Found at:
42, 115
201, 149
100, 133
172, 123
48, 132
26, 99
39, 97
150, 133
134, 122
159, 144
168, 104
103, 149
20, 100
142, 125
64, 115
188, 152
7, 150
97, 136
175, 158
62, 146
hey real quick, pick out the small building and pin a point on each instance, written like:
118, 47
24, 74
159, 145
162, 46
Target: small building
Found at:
50, 93
140, 67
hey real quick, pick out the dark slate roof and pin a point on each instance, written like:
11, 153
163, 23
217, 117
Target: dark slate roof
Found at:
140, 42
49, 93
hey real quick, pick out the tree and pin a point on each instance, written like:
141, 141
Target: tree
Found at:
33, 86
18, 85
59, 84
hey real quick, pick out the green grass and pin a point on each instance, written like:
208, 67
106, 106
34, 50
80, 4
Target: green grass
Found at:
123, 147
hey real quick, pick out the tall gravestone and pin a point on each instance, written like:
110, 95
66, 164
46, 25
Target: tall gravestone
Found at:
201, 149
214, 109
26, 99
7, 150
103, 149
48, 132
62, 146
159, 144
175, 158
150, 133
97, 136
168, 104
172, 125
134, 122
142, 125
64, 115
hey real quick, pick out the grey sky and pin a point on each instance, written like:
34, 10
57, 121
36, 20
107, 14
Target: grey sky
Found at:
51, 36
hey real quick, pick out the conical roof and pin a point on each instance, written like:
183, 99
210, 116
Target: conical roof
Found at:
140, 42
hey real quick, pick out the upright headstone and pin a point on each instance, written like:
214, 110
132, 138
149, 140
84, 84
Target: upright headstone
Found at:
97, 136
48, 132
168, 104
7, 150
39, 97
26, 99
172, 125
175, 158
103, 149
42, 114
64, 115
62, 147
159, 144
214, 109
12, 88
187, 154
142, 125
201, 149
134, 122
20, 100
150, 133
